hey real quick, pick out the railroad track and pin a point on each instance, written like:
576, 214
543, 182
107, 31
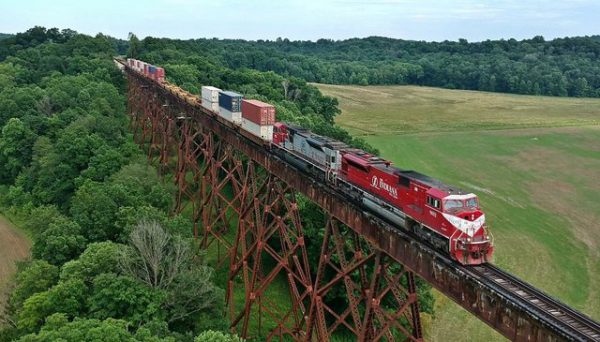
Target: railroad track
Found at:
556, 314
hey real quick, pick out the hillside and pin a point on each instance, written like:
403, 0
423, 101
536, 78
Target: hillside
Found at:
534, 162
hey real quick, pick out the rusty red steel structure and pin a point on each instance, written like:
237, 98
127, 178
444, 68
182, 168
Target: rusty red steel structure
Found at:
253, 216
243, 201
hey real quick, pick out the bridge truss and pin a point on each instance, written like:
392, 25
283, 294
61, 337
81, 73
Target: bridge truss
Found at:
244, 202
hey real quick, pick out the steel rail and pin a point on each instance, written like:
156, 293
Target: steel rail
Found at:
572, 323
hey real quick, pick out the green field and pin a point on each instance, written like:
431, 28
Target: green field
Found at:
534, 162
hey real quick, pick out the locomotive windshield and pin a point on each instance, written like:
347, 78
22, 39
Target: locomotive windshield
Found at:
471, 202
451, 204
460, 201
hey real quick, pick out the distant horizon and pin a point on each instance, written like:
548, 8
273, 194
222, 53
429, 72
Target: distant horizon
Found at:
310, 20
312, 40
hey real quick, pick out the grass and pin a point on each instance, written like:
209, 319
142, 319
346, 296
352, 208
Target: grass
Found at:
534, 162
378, 110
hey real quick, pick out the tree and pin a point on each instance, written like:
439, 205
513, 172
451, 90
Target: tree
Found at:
134, 46
122, 297
580, 87
34, 277
16, 142
61, 242
58, 328
95, 210
66, 297
217, 336
41, 217
169, 263
98, 258
154, 256
105, 162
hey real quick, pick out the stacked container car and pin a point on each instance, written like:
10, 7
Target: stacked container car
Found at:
149, 70
156, 73
258, 118
210, 98
230, 106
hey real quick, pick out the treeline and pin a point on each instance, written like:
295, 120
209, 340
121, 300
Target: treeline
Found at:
560, 67
72, 177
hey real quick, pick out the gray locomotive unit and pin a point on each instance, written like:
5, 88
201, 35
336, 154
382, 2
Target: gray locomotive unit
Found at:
319, 156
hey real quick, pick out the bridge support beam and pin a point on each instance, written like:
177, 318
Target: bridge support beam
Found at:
252, 218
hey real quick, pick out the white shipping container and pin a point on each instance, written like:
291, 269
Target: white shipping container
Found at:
204, 99
210, 93
235, 117
265, 132
214, 106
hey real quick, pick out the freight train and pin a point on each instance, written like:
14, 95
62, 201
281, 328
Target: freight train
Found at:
446, 217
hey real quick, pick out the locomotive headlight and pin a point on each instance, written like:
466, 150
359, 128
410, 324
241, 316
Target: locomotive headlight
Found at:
468, 239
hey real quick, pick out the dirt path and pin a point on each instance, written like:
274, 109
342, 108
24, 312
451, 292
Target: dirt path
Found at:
14, 246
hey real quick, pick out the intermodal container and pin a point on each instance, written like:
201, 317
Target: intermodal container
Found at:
258, 112
231, 101
264, 132
214, 106
235, 117
160, 74
210, 93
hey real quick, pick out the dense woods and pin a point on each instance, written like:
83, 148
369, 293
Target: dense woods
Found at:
71, 176
560, 67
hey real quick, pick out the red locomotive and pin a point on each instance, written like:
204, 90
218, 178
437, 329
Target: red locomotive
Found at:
446, 217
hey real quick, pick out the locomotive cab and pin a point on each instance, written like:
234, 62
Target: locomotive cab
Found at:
465, 207
471, 243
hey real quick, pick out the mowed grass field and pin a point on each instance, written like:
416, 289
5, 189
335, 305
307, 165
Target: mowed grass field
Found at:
534, 162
